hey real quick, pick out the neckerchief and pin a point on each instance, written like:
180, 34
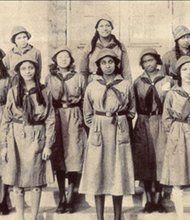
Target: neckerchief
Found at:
186, 108
151, 93
23, 51
28, 105
110, 45
63, 79
110, 86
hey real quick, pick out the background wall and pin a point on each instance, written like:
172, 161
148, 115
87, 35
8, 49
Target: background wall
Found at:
52, 23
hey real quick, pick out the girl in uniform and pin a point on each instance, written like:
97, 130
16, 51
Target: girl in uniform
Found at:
20, 37
103, 38
67, 88
149, 140
182, 47
27, 134
4, 86
176, 119
108, 165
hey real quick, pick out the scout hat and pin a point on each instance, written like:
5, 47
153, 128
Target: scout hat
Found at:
17, 30
180, 31
106, 52
104, 17
24, 59
182, 60
150, 51
59, 50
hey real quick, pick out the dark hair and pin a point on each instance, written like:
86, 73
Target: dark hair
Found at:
177, 50
20, 87
3, 71
117, 69
55, 57
96, 37
156, 57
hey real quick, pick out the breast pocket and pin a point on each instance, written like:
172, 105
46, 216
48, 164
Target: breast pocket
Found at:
95, 138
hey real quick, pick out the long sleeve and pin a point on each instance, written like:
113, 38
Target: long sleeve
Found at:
131, 107
166, 116
6, 120
166, 65
50, 124
87, 108
125, 65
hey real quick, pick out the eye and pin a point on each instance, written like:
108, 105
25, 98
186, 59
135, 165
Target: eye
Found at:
110, 61
103, 62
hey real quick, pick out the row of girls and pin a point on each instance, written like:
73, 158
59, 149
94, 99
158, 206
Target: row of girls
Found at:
100, 101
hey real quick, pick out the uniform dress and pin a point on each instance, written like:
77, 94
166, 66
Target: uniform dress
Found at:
149, 138
4, 86
68, 91
26, 141
14, 55
176, 165
88, 65
108, 164
169, 61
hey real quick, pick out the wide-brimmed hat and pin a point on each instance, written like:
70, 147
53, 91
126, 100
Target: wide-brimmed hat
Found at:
17, 30
59, 50
182, 60
106, 52
104, 17
180, 31
25, 59
150, 51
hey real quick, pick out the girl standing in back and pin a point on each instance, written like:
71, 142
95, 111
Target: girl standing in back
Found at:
108, 165
20, 37
27, 135
103, 38
67, 88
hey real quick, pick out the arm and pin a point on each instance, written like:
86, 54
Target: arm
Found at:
87, 108
50, 123
132, 106
167, 118
126, 70
39, 60
6, 120
165, 64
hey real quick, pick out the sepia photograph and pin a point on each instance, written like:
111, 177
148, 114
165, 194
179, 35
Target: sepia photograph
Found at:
94, 110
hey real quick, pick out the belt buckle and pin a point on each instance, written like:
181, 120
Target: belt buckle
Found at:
108, 114
64, 105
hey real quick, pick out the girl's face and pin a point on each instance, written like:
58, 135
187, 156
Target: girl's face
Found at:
184, 41
185, 72
21, 40
149, 63
63, 59
104, 28
27, 70
107, 65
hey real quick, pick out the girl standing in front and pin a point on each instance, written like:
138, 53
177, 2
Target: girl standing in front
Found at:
4, 87
27, 134
20, 37
108, 165
176, 119
103, 38
67, 88
149, 140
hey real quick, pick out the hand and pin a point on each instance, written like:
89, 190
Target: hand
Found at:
46, 153
4, 155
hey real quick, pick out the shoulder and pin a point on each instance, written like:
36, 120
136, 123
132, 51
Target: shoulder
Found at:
169, 54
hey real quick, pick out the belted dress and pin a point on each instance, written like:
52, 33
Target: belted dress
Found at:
148, 135
108, 164
25, 132
68, 91
176, 121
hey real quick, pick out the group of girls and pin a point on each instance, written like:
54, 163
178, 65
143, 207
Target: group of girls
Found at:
42, 122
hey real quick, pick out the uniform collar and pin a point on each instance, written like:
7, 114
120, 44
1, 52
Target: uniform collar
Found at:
23, 51
110, 45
